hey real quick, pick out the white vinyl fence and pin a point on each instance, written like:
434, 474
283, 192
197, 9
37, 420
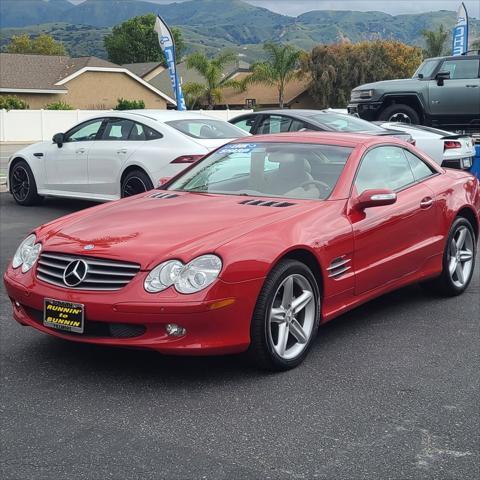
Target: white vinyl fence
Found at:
17, 126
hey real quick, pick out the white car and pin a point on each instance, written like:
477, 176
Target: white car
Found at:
447, 149
115, 155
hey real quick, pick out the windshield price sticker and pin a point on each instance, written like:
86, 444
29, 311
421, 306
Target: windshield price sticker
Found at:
238, 148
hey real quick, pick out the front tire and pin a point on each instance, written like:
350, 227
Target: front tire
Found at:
458, 261
286, 317
399, 112
22, 184
135, 182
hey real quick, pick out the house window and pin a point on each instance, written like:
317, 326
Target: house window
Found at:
250, 102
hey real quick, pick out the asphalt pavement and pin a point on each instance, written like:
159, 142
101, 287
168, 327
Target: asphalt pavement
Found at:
389, 391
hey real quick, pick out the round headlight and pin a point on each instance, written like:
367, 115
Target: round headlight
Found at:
193, 277
27, 253
163, 276
198, 274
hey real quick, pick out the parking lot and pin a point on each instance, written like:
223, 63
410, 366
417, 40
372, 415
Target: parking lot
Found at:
389, 391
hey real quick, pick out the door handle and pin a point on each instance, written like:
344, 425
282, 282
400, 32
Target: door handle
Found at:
471, 86
80, 150
122, 150
426, 202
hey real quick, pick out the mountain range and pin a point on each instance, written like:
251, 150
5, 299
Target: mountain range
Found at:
212, 25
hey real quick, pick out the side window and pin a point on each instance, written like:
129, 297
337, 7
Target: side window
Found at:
142, 132
384, 167
117, 129
461, 68
245, 124
298, 125
85, 131
274, 124
152, 134
420, 169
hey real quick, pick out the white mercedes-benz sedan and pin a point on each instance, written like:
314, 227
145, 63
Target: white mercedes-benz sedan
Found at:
115, 155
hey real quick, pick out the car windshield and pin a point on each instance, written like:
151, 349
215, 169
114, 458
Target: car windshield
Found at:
286, 170
207, 129
426, 69
340, 122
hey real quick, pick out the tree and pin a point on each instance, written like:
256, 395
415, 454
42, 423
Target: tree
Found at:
281, 67
136, 41
475, 44
336, 69
42, 45
434, 41
212, 71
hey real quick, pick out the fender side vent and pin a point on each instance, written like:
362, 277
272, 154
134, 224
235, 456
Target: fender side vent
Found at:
338, 267
266, 203
164, 195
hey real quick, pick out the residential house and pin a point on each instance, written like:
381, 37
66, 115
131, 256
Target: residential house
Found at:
82, 82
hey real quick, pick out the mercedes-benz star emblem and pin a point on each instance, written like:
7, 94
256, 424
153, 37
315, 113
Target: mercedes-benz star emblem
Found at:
75, 273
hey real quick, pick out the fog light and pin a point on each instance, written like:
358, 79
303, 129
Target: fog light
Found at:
174, 330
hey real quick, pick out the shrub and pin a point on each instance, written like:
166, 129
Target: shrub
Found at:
58, 106
124, 104
12, 102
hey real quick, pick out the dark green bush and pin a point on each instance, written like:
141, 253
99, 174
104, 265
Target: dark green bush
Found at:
124, 104
58, 106
12, 102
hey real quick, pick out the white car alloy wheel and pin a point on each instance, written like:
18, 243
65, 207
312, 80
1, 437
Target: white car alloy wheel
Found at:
291, 317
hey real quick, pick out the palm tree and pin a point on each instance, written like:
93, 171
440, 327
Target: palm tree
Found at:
435, 41
212, 71
280, 68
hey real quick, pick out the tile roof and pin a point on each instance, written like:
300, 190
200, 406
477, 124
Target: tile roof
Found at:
141, 69
42, 72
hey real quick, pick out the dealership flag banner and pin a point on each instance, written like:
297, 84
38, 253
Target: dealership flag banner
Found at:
460, 32
167, 44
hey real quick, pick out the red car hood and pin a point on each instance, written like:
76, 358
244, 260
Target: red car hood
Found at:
148, 230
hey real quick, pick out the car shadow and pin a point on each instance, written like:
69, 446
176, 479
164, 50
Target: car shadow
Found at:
86, 362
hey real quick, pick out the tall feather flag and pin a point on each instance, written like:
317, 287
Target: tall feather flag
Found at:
165, 38
460, 32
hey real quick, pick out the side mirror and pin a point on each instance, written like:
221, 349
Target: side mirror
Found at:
375, 198
440, 77
162, 181
59, 139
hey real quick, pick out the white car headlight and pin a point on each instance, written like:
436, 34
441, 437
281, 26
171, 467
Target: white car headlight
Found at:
192, 277
27, 253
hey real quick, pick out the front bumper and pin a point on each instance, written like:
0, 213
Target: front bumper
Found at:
218, 323
368, 110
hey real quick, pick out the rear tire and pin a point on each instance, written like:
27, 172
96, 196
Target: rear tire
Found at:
458, 261
22, 184
286, 317
135, 182
399, 112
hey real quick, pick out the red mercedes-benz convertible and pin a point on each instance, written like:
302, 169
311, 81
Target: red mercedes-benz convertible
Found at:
251, 248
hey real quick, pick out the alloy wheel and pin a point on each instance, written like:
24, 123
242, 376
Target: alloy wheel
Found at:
460, 257
291, 317
20, 183
400, 117
133, 186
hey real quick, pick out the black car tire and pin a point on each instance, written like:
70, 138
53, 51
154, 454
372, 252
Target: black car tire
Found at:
261, 351
135, 182
22, 184
445, 285
402, 111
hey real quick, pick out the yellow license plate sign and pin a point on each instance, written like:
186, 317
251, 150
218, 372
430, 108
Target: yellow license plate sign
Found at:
63, 315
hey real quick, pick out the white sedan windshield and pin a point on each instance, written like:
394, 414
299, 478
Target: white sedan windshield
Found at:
287, 170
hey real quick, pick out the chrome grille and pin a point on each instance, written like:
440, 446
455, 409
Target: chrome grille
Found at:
101, 274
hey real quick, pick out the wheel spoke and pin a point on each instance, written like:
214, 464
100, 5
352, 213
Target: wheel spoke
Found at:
287, 297
453, 247
459, 272
281, 345
465, 255
462, 233
277, 315
297, 331
302, 301
452, 265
